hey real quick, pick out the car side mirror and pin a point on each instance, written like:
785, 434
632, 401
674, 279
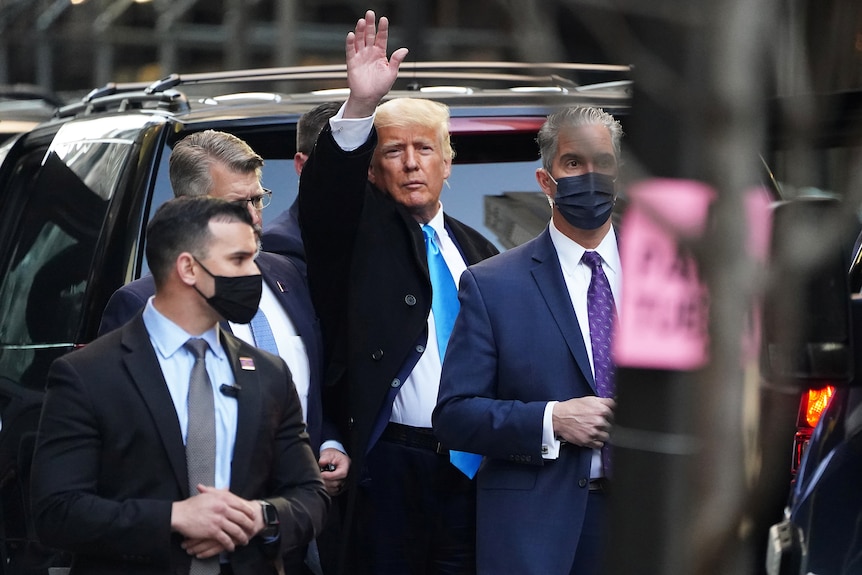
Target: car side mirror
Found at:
806, 310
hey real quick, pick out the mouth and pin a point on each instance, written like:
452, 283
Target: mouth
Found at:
413, 186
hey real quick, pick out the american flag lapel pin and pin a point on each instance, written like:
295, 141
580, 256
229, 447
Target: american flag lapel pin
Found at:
246, 363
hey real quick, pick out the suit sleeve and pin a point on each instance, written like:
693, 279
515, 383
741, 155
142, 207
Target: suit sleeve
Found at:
66, 510
122, 307
472, 413
298, 490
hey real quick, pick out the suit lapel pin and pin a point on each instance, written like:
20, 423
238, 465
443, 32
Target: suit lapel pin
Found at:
280, 285
246, 363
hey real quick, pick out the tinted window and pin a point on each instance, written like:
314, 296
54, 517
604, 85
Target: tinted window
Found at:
56, 202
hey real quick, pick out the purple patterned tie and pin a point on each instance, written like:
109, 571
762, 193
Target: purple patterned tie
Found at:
601, 312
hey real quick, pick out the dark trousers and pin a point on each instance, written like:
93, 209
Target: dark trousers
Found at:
416, 514
594, 535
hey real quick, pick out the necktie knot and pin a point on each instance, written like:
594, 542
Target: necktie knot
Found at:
197, 346
430, 239
592, 259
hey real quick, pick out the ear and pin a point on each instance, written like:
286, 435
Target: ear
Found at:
371, 177
186, 269
447, 168
545, 182
299, 160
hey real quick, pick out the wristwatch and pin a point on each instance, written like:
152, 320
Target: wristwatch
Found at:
270, 520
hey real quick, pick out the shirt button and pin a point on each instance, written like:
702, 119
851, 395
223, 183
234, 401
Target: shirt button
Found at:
410, 299
395, 382
377, 355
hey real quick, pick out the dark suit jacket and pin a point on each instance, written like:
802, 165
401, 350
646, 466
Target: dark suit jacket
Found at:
368, 275
515, 346
288, 284
110, 458
282, 236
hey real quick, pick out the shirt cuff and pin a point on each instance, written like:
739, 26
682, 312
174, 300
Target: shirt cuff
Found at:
332, 444
350, 133
550, 444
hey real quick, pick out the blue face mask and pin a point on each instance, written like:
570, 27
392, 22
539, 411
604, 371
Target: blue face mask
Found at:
586, 201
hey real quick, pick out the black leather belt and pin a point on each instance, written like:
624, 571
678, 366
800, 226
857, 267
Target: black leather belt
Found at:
420, 437
599, 485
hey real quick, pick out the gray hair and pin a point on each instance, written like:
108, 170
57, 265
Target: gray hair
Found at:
192, 156
575, 116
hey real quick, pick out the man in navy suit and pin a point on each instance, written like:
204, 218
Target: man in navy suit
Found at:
518, 382
283, 235
141, 464
221, 165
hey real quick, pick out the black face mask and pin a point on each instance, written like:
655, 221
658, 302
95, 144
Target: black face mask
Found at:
236, 298
586, 201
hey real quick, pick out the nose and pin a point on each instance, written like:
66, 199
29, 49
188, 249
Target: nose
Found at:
410, 162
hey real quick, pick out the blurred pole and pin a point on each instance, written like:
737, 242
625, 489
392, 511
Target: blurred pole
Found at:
236, 35
286, 14
687, 440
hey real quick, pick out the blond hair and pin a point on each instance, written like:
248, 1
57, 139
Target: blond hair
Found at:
409, 112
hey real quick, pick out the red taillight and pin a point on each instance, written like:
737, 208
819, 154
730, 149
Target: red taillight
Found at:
813, 404
811, 408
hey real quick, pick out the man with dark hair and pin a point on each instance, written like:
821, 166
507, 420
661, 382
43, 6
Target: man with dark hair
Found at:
222, 165
528, 379
170, 446
283, 235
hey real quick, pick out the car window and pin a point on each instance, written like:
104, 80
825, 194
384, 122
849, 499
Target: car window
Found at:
59, 198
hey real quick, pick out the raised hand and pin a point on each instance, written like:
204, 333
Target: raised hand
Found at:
370, 74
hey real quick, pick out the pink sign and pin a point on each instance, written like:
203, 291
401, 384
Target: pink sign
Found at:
664, 319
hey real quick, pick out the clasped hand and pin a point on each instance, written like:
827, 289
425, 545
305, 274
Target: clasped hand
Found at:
215, 520
584, 421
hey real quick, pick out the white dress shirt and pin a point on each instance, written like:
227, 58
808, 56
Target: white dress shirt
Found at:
577, 276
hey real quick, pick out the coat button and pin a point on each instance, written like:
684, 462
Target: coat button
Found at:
582, 482
350, 422
377, 355
410, 299
420, 348
395, 382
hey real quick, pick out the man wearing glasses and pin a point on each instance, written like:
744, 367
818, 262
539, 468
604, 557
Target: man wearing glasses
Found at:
222, 165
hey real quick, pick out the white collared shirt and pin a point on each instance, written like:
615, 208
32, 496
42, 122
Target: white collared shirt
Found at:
290, 345
577, 276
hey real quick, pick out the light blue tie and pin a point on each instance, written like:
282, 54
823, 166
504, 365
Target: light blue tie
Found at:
262, 333
444, 305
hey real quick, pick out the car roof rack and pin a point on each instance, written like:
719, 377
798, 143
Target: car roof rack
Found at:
105, 99
547, 73
413, 76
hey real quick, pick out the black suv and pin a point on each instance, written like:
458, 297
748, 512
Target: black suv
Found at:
77, 191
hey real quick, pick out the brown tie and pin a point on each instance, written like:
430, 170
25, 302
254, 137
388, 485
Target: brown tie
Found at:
201, 440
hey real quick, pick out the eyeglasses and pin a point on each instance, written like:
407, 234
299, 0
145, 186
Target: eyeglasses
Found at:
257, 202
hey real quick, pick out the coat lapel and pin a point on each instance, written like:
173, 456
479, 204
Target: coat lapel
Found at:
248, 410
549, 278
146, 374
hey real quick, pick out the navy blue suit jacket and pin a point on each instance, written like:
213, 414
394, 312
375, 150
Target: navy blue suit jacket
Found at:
288, 283
283, 236
515, 346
